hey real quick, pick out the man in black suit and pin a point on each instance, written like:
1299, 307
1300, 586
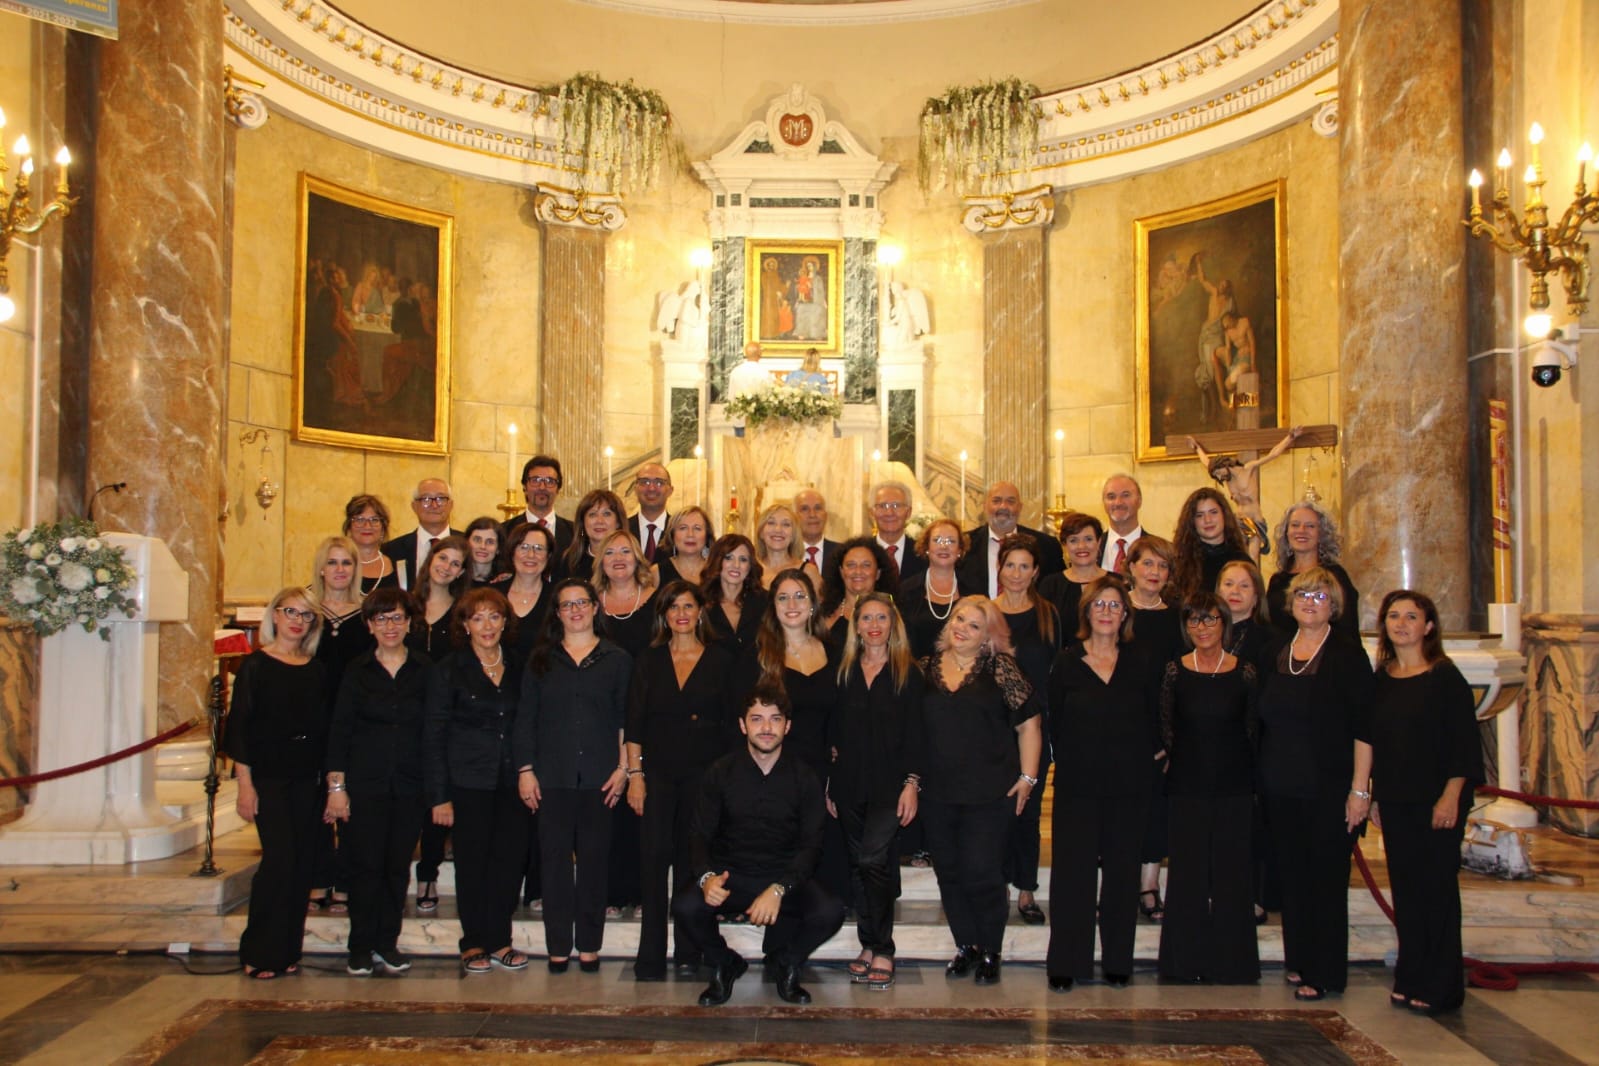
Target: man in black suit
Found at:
541, 483
431, 503
653, 487
815, 547
1003, 507
891, 509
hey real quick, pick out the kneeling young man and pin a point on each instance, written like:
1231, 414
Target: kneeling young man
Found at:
756, 839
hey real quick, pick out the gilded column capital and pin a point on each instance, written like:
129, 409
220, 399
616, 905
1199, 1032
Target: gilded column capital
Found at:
558, 206
245, 108
1029, 208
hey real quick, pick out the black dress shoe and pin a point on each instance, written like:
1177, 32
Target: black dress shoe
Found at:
1118, 980
988, 968
962, 964
1060, 984
789, 988
720, 990
589, 965
559, 965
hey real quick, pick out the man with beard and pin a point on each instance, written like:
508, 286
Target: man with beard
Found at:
756, 839
1003, 509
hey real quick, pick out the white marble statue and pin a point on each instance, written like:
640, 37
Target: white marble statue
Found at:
680, 313
905, 318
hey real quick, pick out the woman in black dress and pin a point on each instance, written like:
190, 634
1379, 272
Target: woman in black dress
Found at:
571, 768
926, 599
734, 599
1035, 636
1426, 755
277, 738
443, 581
859, 566
366, 523
980, 722
1242, 592
1207, 535
676, 726
1308, 537
1157, 636
1315, 770
375, 779
690, 535
1103, 724
1082, 542
1207, 723
469, 777
484, 565
877, 734
598, 515
528, 555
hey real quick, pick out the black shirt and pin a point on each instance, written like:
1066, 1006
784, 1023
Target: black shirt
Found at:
633, 631
571, 716
1423, 732
466, 735
343, 641
1309, 721
924, 620
1158, 636
1208, 724
278, 721
813, 699
878, 734
376, 736
970, 733
1103, 732
749, 621
681, 730
765, 825
431, 641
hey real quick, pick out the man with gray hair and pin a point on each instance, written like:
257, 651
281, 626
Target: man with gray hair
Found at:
432, 504
891, 509
1002, 506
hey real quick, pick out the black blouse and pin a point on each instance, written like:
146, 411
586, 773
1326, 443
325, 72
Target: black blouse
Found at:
1158, 636
376, 736
343, 641
529, 626
970, 733
632, 633
878, 735
466, 735
1065, 594
431, 641
681, 730
924, 620
1103, 732
278, 721
1309, 721
1280, 611
571, 716
814, 699
1423, 732
1207, 722
749, 621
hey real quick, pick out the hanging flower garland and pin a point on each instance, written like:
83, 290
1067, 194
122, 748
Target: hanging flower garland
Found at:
620, 134
975, 135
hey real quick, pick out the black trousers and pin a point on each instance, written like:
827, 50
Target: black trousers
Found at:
1209, 928
431, 852
664, 835
574, 823
377, 843
807, 916
1424, 871
1153, 847
1021, 850
968, 845
869, 831
288, 819
623, 888
1312, 846
330, 867
490, 842
1093, 882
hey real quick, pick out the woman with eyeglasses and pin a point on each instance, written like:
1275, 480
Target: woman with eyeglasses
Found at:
875, 783
528, 554
1207, 724
690, 534
483, 540
1157, 635
677, 718
277, 733
375, 780
926, 599
1207, 535
859, 566
1426, 755
599, 514
734, 599
572, 768
1315, 779
470, 780
1035, 635
1104, 732
366, 523
1308, 537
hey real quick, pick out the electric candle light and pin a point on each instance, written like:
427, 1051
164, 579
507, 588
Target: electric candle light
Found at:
610, 463
1475, 181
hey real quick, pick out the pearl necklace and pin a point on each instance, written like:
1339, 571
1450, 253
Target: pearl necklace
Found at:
368, 562
948, 607
1221, 657
638, 597
499, 657
1313, 654
1156, 606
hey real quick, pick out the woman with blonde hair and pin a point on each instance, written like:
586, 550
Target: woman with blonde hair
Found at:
776, 542
690, 534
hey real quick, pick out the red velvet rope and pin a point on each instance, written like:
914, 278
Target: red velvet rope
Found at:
94, 764
1539, 801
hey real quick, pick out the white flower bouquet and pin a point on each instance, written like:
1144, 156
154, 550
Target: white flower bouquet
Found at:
798, 404
60, 574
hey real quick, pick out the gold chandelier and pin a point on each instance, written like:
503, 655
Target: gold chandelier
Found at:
1544, 248
15, 217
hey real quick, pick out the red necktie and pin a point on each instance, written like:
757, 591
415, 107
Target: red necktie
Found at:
810, 554
540, 523
1120, 565
649, 545
893, 551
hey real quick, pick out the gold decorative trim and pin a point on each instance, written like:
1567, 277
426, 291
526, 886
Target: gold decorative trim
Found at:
1012, 210
560, 206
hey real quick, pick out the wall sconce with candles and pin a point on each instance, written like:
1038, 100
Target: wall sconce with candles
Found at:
15, 216
1543, 248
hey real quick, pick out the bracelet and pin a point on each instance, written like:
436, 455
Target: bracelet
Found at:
1032, 782
635, 773
1355, 792
704, 877
335, 788
779, 889
914, 780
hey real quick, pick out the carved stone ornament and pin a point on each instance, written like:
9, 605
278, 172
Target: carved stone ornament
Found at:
557, 206
796, 122
1012, 210
1325, 120
245, 108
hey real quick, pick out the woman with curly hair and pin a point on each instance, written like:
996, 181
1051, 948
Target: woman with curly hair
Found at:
1308, 537
734, 599
1208, 536
859, 566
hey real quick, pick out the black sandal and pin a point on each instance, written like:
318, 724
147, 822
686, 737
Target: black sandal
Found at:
1031, 912
1154, 911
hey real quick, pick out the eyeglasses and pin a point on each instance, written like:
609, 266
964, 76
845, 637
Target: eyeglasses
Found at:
944, 542
1202, 621
791, 597
889, 505
389, 621
366, 520
1109, 606
652, 482
574, 605
294, 614
542, 481
432, 501
1311, 596
529, 548
487, 618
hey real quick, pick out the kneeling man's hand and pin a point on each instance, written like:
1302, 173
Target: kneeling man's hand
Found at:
764, 910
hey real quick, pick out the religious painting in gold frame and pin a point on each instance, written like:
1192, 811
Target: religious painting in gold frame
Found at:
1209, 327
372, 323
793, 298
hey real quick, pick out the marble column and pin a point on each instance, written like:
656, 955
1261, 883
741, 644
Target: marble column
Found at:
572, 338
1402, 302
1015, 349
19, 695
1560, 715
157, 335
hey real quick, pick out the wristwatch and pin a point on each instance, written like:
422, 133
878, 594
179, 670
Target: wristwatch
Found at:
706, 876
1031, 781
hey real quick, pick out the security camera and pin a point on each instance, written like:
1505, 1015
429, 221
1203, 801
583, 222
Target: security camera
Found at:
1553, 356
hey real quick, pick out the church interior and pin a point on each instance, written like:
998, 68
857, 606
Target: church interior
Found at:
1028, 319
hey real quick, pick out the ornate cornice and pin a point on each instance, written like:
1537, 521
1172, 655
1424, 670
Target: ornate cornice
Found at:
559, 206
857, 13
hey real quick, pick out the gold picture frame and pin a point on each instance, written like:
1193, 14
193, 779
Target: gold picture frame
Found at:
1195, 372
372, 321
793, 296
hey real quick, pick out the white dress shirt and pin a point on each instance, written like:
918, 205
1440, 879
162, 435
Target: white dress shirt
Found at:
1107, 558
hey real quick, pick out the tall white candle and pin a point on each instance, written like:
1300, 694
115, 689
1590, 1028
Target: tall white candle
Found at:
610, 463
1060, 460
963, 488
699, 475
510, 457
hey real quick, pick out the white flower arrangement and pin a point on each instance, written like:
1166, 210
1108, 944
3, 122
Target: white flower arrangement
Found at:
797, 404
60, 574
974, 136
